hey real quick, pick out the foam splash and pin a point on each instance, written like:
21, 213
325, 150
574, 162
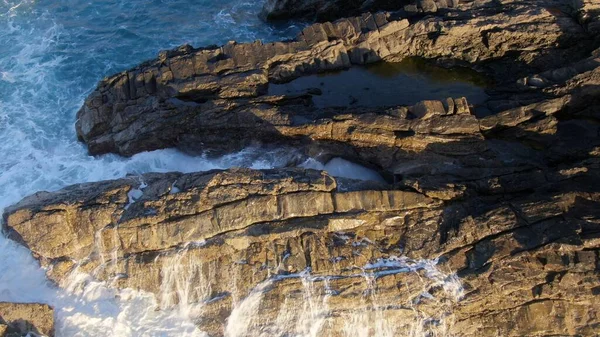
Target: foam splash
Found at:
186, 283
85, 307
312, 315
339, 167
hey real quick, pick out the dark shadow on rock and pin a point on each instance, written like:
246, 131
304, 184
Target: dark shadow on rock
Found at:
20, 327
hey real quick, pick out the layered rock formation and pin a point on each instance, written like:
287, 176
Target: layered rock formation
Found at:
508, 202
207, 239
26, 319
487, 225
188, 97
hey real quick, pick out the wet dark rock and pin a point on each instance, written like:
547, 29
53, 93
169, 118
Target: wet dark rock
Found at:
324, 10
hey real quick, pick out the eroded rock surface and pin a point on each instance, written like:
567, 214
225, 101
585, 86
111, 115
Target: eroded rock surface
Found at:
439, 148
489, 223
21, 319
188, 97
207, 239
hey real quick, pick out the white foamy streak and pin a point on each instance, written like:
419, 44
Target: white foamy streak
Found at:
450, 282
307, 320
186, 283
339, 167
315, 309
370, 321
242, 320
86, 307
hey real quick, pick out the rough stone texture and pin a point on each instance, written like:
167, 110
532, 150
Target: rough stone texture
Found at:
588, 14
508, 201
187, 97
438, 148
87, 222
526, 248
20, 319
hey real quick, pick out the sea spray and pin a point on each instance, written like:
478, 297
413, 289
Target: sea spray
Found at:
315, 309
370, 319
243, 319
85, 307
339, 167
185, 283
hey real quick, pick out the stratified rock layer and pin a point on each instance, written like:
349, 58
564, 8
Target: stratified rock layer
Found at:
208, 239
505, 203
214, 99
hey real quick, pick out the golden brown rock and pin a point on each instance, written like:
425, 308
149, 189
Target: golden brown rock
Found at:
20, 319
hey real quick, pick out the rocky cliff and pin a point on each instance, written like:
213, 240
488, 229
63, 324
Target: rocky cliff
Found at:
487, 224
210, 240
507, 202
187, 97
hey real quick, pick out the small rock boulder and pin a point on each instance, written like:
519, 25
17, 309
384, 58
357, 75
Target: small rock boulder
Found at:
20, 319
428, 109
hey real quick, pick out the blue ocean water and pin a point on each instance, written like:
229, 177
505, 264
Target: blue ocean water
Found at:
52, 54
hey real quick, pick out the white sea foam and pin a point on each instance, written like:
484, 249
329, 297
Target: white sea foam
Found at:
310, 315
339, 167
86, 307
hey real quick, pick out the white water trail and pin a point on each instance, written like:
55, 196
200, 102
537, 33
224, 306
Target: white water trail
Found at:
311, 314
369, 321
309, 319
85, 307
339, 167
314, 310
186, 282
243, 320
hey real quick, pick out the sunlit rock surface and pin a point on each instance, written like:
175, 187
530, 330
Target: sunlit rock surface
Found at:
20, 319
483, 218
279, 240
216, 100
